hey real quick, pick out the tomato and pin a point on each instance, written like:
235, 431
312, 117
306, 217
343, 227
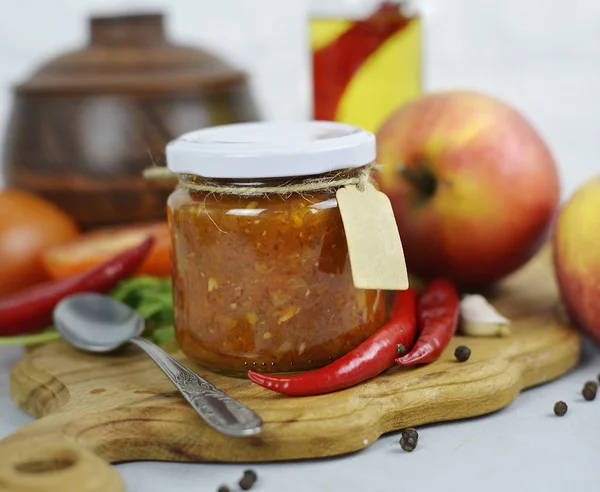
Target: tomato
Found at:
92, 248
29, 225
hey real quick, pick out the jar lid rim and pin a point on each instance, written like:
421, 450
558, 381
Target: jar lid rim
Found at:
271, 149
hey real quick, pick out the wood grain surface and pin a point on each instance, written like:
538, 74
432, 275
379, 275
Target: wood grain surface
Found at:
94, 409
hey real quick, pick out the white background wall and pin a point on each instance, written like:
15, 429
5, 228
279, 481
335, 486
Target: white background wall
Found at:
542, 56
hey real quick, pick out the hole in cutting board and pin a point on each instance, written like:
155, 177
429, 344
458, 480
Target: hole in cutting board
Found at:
45, 466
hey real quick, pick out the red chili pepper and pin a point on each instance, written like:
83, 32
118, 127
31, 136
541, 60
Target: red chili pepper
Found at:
31, 310
438, 318
376, 354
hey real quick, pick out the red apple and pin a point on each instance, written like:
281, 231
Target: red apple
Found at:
576, 242
473, 186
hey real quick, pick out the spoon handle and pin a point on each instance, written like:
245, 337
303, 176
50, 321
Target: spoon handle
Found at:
220, 411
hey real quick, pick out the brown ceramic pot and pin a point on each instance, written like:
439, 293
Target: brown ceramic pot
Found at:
87, 123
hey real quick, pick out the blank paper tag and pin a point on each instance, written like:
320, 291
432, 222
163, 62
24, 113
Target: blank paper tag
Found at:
374, 246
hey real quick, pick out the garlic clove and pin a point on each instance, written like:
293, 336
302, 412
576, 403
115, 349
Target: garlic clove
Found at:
480, 319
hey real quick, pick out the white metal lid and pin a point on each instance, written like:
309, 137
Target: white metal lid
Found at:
271, 149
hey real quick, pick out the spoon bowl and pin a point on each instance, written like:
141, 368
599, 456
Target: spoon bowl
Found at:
99, 323
96, 323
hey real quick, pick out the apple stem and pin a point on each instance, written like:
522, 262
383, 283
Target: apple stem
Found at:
421, 177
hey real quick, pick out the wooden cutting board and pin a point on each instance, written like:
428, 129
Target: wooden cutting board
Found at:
94, 409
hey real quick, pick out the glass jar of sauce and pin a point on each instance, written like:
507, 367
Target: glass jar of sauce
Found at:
260, 265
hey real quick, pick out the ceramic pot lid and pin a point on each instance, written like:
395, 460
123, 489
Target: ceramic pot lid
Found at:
131, 53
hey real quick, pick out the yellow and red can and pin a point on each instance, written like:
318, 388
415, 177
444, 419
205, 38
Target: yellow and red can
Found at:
365, 69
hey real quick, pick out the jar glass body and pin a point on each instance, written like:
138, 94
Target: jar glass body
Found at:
264, 282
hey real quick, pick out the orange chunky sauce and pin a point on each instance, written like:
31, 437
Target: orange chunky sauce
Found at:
264, 282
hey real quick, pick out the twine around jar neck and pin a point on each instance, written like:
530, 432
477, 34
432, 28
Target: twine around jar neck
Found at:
307, 185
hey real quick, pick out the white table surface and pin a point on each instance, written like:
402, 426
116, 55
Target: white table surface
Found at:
523, 447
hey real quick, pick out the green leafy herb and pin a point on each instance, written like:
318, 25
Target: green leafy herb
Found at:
152, 298
45, 336
164, 335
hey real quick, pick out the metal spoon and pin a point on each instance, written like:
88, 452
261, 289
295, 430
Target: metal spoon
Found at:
98, 323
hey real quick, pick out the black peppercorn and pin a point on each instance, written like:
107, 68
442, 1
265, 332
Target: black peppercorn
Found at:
411, 431
223, 488
560, 408
409, 439
248, 480
589, 391
462, 353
